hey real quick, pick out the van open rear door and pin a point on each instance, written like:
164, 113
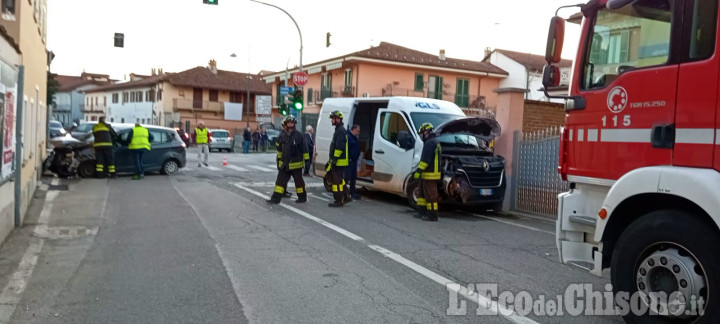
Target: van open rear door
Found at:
393, 159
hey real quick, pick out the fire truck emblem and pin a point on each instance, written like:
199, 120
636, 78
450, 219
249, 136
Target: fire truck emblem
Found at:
617, 99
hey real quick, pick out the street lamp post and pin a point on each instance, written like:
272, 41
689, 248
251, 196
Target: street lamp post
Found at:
299, 114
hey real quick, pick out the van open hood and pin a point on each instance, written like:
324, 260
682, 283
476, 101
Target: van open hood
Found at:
485, 128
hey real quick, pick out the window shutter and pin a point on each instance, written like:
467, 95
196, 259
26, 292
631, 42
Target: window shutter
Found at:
310, 95
419, 80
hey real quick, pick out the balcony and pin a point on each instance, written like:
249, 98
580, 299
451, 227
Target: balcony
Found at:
93, 108
62, 108
197, 105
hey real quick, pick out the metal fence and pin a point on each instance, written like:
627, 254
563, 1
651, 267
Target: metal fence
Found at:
537, 182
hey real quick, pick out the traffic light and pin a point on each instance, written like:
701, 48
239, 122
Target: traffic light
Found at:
327, 39
210, 2
297, 100
283, 109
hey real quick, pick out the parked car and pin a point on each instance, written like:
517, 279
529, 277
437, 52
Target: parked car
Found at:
56, 129
273, 135
220, 140
167, 154
82, 131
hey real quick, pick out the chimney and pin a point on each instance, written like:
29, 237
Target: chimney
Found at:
212, 66
488, 51
152, 72
442, 55
160, 72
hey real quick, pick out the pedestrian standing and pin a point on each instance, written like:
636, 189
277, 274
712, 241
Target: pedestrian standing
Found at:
247, 137
140, 139
311, 149
255, 140
264, 140
292, 153
104, 152
352, 168
338, 160
201, 137
428, 172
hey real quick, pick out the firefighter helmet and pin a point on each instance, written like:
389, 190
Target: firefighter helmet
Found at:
425, 127
289, 119
336, 114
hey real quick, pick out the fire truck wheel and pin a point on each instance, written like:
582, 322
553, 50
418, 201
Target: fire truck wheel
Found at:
668, 251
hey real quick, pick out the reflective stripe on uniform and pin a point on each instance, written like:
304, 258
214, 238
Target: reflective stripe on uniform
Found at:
421, 202
96, 144
306, 156
279, 155
299, 190
111, 168
296, 165
279, 189
422, 165
431, 176
335, 188
99, 167
337, 153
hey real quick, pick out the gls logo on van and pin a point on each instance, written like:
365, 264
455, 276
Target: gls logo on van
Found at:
427, 105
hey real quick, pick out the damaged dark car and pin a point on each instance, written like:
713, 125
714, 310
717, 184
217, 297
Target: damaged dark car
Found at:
472, 175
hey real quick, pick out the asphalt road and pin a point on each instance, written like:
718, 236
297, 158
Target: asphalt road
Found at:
204, 247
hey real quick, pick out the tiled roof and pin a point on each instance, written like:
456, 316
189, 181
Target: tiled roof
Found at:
201, 77
533, 62
70, 82
391, 52
130, 85
395, 53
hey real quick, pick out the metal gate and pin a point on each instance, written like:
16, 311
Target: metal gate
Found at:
537, 182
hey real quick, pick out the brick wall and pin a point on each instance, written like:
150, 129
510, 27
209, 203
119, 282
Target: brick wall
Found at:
539, 115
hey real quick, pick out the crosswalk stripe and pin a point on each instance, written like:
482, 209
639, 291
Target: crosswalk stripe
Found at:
236, 168
212, 168
261, 168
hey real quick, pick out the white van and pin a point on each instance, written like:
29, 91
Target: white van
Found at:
390, 147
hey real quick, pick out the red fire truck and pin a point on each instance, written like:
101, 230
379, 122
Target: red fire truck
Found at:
640, 151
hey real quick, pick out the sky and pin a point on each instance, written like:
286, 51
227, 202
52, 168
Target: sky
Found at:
177, 35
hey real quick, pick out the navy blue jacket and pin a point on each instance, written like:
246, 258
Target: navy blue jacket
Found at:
353, 147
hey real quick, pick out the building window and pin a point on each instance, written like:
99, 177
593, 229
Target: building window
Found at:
213, 95
8, 6
152, 95
122, 120
139, 96
96, 101
310, 95
159, 96
419, 81
126, 97
115, 98
435, 87
326, 86
462, 93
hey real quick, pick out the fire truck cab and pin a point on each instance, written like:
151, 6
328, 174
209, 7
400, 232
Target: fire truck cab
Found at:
640, 151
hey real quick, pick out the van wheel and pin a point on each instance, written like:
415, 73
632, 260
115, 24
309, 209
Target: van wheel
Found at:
170, 167
669, 251
412, 191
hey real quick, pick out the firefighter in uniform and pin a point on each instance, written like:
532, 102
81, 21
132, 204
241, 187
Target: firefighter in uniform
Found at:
292, 153
104, 155
338, 161
428, 172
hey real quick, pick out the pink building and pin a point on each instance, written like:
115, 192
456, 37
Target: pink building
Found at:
392, 70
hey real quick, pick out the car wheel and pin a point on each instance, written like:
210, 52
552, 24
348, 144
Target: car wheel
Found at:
87, 169
412, 191
170, 167
664, 252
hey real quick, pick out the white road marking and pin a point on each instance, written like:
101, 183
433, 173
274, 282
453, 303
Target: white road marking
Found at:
449, 284
317, 197
262, 168
212, 168
12, 294
482, 301
272, 184
515, 224
47, 207
236, 168
55, 181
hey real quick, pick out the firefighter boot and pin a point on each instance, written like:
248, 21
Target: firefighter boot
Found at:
302, 197
275, 198
431, 216
420, 214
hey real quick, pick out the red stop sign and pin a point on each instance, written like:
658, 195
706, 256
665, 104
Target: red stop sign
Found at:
300, 78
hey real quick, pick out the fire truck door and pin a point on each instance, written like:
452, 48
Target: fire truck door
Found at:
695, 117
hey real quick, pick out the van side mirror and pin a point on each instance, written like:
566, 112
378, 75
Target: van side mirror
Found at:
556, 36
405, 140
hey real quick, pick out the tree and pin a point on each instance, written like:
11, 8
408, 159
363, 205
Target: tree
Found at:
52, 87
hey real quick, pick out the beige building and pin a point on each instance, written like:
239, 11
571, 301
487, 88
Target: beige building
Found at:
25, 25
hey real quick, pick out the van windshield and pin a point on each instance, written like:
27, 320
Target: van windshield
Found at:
418, 118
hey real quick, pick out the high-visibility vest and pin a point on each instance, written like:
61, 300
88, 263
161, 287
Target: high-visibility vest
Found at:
140, 139
201, 135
